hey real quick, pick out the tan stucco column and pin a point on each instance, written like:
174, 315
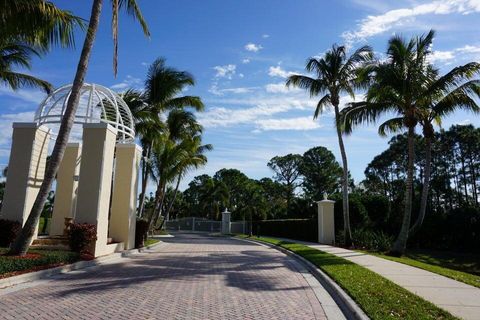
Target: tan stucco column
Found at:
124, 197
94, 185
326, 222
26, 170
65, 193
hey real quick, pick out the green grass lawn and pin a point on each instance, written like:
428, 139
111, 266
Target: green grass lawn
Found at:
378, 297
151, 241
460, 267
35, 260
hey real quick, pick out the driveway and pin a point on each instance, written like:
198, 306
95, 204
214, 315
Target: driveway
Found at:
190, 276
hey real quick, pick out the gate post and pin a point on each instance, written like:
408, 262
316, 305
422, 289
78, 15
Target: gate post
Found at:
226, 229
326, 222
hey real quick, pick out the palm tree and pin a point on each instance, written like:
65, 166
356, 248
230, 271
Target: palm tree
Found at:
171, 152
38, 23
195, 159
443, 96
213, 195
163, 87
396, 86
148, 127
335, 74
14, 53
22, 242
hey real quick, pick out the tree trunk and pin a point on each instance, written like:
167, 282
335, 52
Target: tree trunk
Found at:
426, 185
141, 205
167, 214
158, 211
22, 242
346, 213
400, 244
158, 197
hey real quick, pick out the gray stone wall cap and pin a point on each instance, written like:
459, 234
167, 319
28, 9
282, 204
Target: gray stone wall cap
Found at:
99, 125
326, 201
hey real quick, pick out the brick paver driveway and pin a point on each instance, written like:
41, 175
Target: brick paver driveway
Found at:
192, 276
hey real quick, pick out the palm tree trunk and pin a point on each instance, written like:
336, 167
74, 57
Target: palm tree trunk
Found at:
141, 205
400, 244
426, 185
158, 197
346, 213
22, 242
158, 211
167, 214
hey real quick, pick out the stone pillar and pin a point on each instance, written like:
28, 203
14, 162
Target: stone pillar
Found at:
124, 198
94, 185
26, 170
66, 191
326, 222
226, 228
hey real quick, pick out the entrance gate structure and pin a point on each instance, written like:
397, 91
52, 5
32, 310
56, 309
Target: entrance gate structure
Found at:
98, 176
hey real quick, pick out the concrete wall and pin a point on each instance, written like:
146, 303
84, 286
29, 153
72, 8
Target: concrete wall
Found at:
26, 170
94, 185
124, 197
65, 193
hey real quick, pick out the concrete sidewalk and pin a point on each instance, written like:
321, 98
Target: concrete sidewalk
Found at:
458, 298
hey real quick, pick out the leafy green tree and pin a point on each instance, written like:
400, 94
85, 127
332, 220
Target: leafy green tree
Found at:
321, 173
396, 88
335, 74
287, 171
21, 244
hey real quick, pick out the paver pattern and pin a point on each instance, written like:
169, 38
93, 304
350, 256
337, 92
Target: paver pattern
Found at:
191, 277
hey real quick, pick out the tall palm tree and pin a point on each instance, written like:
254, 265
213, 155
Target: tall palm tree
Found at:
14, 53
195, 159
443, 96
148, 128
171, 152
335, 74
22, 243
396, 87
163, 88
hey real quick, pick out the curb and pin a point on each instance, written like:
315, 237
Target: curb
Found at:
43, 274
350, 308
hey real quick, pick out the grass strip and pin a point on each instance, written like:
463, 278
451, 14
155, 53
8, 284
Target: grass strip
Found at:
151, 241
471, 279
378, 297
33, 261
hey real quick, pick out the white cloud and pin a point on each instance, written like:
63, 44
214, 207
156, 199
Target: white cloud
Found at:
128, 82
226, 71
279, 88
253, 47
214, 89
246, 60
265, 36
241, 75
6, 121
373, 25
300, 123
278, 72
467, 52
256, 108
34, 96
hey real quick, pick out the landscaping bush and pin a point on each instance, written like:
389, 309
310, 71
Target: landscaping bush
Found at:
35, 260
371, 240
8, 232
81, 236
141, 233
298, 229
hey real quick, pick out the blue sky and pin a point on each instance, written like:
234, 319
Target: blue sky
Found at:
240, 53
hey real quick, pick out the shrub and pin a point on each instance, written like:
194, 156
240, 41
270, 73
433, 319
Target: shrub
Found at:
81, 236
141, 232
371, 240
297, 229
8, 232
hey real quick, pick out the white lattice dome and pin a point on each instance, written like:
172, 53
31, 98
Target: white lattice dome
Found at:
97, 104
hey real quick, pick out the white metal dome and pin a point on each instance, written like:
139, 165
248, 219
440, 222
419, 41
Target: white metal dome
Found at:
97, 104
